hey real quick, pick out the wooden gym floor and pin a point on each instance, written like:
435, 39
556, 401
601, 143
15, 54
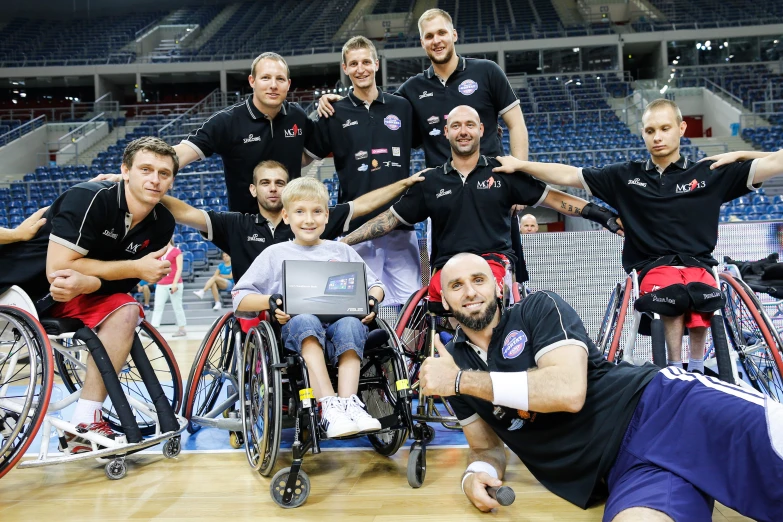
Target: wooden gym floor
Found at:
357, 485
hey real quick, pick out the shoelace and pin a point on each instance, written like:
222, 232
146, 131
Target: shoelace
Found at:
101, 428
355, 405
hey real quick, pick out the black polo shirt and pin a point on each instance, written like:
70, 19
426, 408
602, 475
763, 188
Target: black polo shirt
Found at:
92, 219
245, 236
569, 453
371, 145
672, 212
243, 136
470, 214
481, 84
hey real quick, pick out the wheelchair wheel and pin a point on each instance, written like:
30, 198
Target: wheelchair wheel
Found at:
262, 398
412, 330
417, 465
26, 379
610, 333
378, 391
72, 370
209, 375
753, 336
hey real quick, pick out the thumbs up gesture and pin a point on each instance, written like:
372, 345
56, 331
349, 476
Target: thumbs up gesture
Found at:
151, 268
437, 374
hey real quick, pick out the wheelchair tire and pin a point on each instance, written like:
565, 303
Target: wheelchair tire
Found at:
611, 330
417, 465
163, 362
752, 335
261, 389
301, 489
22, 338
213, 361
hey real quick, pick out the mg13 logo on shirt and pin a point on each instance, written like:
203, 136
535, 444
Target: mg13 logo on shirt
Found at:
293, 131
488, 183
690, 187
134, 248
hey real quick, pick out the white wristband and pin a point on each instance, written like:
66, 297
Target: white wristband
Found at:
510, 389
476, 467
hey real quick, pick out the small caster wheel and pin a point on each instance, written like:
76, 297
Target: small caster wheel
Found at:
428, 434
192, 427
116, 469
301, 490
417, 465
236, 440
172, 447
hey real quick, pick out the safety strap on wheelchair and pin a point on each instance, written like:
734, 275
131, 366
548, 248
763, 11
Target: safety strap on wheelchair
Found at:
166, 417
673, 260
109, 375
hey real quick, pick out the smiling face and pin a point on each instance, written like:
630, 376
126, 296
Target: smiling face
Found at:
268, 188
307, 219
662, 132
464, 131
437, 37
148, 178
360, 66
469, 290
270, 84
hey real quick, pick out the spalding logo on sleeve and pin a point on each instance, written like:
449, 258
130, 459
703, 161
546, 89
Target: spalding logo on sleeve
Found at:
514, 344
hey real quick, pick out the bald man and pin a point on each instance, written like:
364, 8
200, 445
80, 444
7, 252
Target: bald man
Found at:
588, 429
529, 224
470, 206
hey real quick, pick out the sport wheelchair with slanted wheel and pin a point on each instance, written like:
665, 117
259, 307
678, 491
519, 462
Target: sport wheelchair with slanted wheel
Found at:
246, 383
743, 325
142, 399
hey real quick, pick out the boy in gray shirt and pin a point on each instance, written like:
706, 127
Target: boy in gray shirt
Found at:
305, 210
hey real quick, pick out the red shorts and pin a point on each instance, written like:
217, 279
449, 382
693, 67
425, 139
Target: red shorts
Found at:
498, 270
663, 276
93, 309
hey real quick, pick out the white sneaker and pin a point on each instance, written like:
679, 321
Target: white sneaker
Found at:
217, 306
354, 408
334, 419
199, 293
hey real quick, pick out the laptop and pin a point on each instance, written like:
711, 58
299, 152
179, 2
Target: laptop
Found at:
327, 289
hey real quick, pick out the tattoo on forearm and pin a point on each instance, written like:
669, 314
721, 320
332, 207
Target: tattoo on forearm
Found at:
376, 227
568, 208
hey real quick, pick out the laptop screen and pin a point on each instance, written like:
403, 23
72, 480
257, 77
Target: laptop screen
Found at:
343, 284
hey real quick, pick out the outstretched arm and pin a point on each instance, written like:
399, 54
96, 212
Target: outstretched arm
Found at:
377, 198
184, 214
731, 157
26, 230
553, 173
769, 167
376, 227
573, 206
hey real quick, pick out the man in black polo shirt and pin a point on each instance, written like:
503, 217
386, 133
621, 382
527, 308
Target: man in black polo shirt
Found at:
453, 80
670, 208
370, 137
99, 240
530, 377
263, 127
470, 205
245, 236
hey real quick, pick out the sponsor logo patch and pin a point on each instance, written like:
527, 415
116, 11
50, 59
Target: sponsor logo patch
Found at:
293, 131
442, 193
362, 154
375, 165
426, 94
391, 164
110, 233
349, 123
392, 122
255, 237
432, 120
380, 151
637, 181
251, 138
363, 167
395, 151
435, 132
488, 183
133, 249
514, 344
468, 87
690, 187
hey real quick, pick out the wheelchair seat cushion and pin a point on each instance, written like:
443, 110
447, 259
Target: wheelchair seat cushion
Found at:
61, 325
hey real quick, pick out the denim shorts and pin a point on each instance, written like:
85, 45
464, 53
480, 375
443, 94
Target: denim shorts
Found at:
336, 338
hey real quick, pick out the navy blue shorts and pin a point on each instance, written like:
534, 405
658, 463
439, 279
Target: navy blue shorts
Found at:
692, 440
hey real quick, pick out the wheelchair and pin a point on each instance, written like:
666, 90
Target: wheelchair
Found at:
140, 407
743, 346
418, 323
247, 384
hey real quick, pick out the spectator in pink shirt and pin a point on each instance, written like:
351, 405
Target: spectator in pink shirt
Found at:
171, 286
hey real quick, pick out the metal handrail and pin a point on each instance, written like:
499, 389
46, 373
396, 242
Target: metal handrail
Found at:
22, 129
169, 127
91, 122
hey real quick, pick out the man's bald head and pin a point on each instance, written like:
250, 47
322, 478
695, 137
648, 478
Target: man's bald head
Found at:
529, 225
464, 131
469, 291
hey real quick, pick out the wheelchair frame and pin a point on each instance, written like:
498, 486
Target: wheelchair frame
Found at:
26, 324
